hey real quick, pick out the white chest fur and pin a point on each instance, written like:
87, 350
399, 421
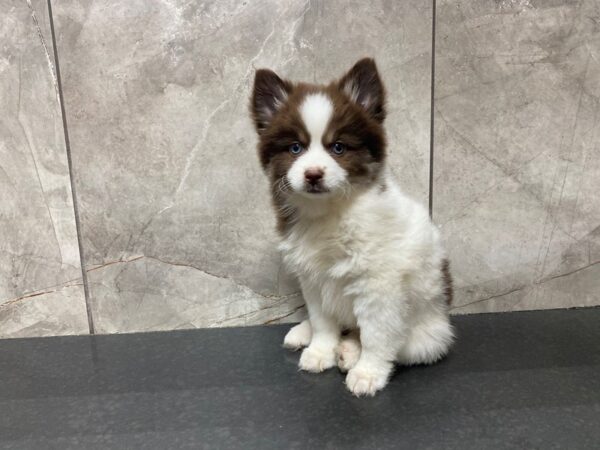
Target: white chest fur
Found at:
323, 257
340, 252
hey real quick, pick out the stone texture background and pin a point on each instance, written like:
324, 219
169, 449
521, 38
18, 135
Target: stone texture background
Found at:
517, 151
41, 289
175, 222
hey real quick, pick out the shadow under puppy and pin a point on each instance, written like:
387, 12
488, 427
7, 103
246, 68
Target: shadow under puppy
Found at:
367, 256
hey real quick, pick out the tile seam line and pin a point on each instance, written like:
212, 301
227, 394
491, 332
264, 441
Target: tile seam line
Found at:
88, 309
431, 108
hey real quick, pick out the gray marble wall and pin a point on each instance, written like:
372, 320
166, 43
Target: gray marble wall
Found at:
41, 290
176, 222
174, 215
517, 151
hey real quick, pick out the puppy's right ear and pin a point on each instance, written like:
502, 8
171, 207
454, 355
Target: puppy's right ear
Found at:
269, 94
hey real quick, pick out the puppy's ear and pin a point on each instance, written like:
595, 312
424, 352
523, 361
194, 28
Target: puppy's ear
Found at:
364, 87
269, 94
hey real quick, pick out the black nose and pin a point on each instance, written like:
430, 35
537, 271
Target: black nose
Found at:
313, 175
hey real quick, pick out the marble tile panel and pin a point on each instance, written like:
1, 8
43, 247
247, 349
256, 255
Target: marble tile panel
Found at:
40, 272
176, 222
517, 153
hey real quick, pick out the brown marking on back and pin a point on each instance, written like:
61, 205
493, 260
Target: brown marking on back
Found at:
447, 281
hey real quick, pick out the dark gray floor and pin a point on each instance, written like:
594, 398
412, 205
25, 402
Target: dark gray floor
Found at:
519, 380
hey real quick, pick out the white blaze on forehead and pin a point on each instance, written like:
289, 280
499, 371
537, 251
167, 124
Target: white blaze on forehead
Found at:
316, 111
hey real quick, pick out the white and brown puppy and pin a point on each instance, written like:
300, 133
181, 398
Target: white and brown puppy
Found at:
367, 256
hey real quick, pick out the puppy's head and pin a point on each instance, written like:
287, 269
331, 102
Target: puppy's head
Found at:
320, 141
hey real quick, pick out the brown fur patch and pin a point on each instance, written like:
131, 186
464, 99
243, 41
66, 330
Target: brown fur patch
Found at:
447, 280
362, 134
279, 165
286, 126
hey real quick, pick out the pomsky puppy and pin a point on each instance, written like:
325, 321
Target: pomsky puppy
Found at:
369, 261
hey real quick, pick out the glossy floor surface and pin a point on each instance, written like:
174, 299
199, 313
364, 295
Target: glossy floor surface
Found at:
513, 380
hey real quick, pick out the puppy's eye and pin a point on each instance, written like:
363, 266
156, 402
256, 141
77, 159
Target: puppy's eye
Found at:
338, 148
296, 148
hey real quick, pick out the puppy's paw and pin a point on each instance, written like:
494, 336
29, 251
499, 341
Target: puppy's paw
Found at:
316, 360
299, 336
347, 353
366, 380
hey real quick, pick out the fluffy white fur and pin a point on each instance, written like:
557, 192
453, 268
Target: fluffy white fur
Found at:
368, 258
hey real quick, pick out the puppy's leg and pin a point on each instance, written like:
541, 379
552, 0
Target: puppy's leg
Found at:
348, 351
380, 317
320, 354
299, 336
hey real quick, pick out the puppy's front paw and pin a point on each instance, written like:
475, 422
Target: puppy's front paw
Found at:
299, 336
348, 353
316, 360
367, 381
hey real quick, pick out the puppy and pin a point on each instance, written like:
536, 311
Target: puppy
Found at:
367, 257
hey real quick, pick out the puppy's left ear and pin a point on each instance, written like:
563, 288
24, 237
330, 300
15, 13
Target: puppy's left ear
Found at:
364, 87
268, 96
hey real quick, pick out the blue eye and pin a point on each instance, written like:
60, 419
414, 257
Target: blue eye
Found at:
338, 148
296, 148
